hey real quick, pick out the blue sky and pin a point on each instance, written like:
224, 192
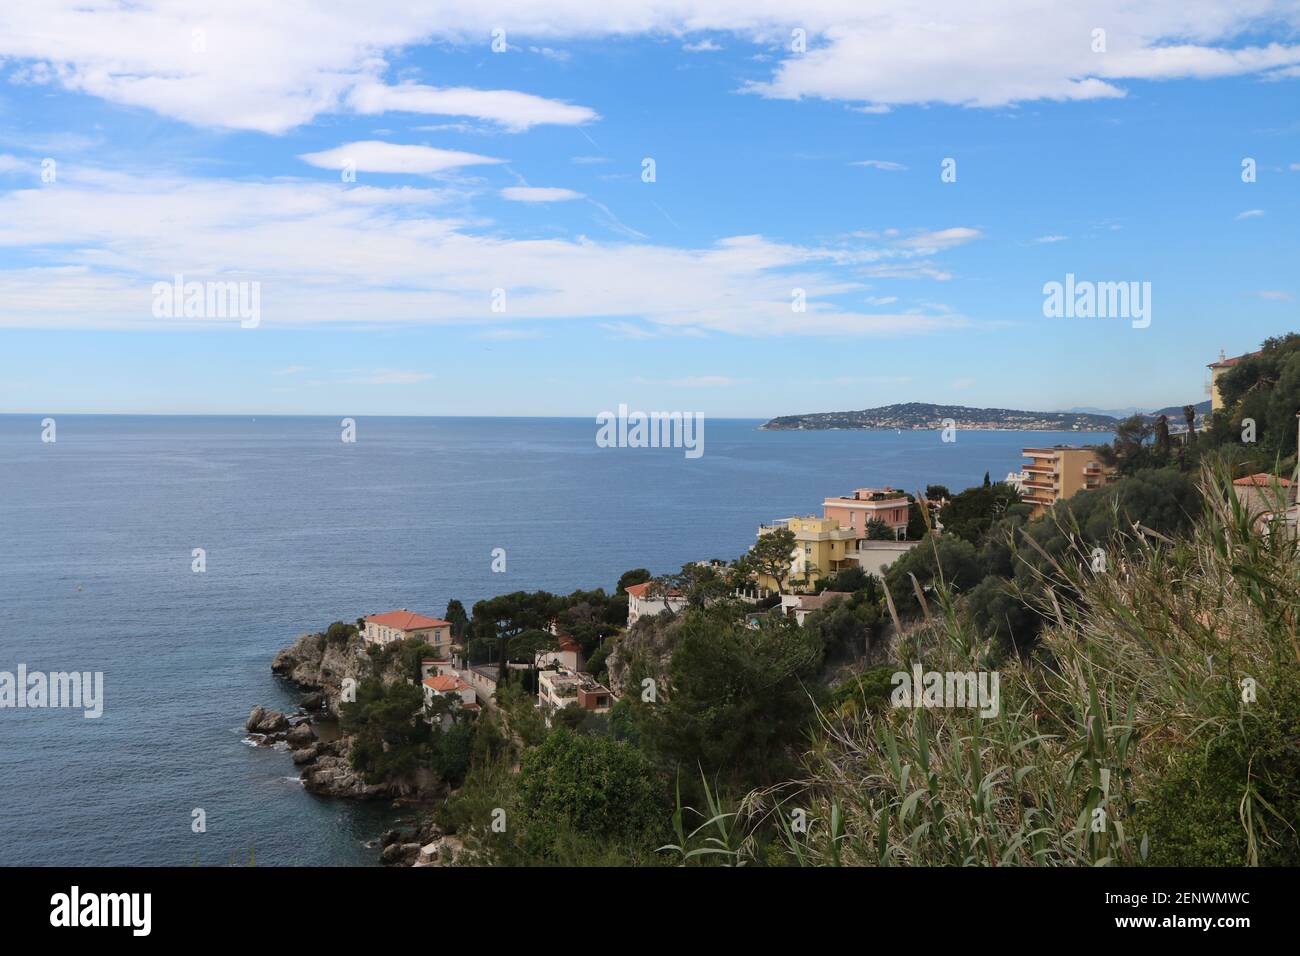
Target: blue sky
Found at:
209, 144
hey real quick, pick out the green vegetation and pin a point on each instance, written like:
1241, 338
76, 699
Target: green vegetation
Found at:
1154, 724
770, 555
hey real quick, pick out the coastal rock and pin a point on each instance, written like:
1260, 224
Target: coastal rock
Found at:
254, 718
649, 641
399, 854
321, 665
305, 756
271, 722
334, 777
301, 736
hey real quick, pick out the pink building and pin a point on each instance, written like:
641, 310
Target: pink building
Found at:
881, 504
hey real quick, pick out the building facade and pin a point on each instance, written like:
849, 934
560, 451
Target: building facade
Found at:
868, 504
559, 689
1054, 474
821, 548
1218, 368
384, 629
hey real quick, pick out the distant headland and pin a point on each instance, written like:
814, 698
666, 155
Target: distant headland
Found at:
924, 415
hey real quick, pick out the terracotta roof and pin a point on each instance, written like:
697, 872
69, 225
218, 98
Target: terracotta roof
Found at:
1230, 362
569, 644
407, 620
639, 591
444, 683
1263, 479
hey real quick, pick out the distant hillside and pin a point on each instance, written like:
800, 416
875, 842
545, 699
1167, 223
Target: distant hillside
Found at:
1175, 412
914, 415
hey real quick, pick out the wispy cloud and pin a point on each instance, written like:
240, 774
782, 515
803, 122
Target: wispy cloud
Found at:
1050, 239
512, 110
1275, 295
879, 164
375, 156
538, 194
1249, 214
702, 46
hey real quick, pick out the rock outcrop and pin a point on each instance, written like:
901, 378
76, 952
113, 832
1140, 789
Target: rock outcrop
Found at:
321, 665
302, 735
330, 774
263, 721
648, 641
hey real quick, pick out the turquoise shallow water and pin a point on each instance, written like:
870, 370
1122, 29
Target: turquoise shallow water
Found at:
96, 535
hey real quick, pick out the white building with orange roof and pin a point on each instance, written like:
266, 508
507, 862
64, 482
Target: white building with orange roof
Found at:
450, 687
647, 600
568, 655
402, 625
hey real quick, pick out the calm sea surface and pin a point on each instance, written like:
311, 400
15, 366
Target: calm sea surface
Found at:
300, 529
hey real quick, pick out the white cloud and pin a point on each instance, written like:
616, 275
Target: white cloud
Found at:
1050, 239
1250, 214
538, 194
373, 156
1274, 295
248, 64
290, 370
941, 239
879, 164
880, 299
512, 110
703, 46
362, 255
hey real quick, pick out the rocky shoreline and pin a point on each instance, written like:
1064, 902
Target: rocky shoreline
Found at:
318, 667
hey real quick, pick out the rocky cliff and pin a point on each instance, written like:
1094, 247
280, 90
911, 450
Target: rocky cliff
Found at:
646, 647
320, 666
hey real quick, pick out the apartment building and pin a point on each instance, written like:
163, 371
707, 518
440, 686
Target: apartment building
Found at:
821, 548
867, 504
558, 689
1053, 474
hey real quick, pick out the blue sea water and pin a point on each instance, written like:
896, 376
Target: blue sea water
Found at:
300, 529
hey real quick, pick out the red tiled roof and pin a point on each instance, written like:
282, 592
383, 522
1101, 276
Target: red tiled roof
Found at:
444, 683
1263, 479
1230, 362
569, 644
639, 591
407, 620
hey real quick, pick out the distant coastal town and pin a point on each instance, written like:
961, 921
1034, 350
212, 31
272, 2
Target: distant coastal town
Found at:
923, 415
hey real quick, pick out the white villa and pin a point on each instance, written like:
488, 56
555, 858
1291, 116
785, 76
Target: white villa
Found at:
640, 603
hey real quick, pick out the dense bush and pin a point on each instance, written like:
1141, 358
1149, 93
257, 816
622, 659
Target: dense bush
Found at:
593, 786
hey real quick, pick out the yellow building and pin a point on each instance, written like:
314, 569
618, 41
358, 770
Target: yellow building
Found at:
1218, 368
821, 548
1053, 474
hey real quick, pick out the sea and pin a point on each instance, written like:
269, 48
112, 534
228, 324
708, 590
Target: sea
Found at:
298, 528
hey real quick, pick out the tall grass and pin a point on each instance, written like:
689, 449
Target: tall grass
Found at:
1143, 676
